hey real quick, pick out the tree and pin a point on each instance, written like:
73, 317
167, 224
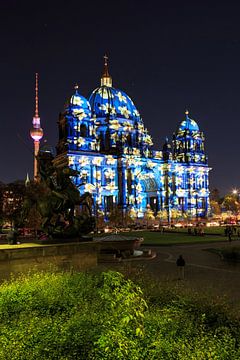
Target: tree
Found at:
162, 215
12, 201
149, 214
215, 207
215, 195
176, 214
34, 219
115, 216
231, 203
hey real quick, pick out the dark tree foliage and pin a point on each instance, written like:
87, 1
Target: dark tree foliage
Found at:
12, 197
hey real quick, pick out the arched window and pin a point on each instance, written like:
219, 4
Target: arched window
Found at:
129, 140
106, 178
83, 130
107, 140
101, 139
129, 181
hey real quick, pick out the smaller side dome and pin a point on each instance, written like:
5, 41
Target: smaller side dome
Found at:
188, 124
78, 105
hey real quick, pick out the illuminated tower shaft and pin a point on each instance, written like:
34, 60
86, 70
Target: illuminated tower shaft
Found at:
35, 164
36, 132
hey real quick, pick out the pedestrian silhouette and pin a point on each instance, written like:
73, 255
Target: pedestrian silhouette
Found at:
229, 233
180, 264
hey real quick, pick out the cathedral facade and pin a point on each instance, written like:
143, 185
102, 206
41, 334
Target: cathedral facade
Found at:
105, 139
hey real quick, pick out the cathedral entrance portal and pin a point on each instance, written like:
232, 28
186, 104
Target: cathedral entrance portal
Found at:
154, 204
108, 204
150, 187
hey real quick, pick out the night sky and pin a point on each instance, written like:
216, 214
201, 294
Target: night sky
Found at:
167, 56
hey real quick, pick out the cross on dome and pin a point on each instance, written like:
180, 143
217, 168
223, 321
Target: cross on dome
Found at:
106, 79
105, 59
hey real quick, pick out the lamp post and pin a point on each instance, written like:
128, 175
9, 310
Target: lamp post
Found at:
236, 194
96, 208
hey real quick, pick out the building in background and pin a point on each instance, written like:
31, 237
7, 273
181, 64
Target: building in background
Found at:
11, 200
105, 139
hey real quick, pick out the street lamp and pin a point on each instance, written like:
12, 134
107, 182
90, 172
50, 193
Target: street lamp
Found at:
236, 193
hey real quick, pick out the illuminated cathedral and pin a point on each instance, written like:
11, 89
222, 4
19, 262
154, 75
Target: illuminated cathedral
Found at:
105, 139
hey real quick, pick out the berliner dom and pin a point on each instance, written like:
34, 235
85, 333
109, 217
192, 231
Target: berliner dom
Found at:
104, 138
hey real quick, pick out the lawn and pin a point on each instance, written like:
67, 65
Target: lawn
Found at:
18, 246
170, 238
231, 254
218, 230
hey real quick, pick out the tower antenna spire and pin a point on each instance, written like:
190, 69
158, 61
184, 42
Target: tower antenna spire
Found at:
36, 96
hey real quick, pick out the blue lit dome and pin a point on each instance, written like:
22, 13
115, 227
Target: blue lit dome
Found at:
188, 124
106, 100
78, 105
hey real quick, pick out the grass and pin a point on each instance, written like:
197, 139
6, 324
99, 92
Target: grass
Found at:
18, 246
231, 254
218, 230
171, 237
168, 238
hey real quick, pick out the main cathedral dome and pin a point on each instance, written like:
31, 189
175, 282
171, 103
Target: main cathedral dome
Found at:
108, 101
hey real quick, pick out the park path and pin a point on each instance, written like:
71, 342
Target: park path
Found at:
205, 272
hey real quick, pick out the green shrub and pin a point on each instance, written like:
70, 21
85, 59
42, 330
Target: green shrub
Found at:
86, 316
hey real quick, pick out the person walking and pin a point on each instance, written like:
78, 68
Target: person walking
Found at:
181, 265
238, 233
229, 234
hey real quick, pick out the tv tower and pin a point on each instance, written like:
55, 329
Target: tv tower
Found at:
36, 132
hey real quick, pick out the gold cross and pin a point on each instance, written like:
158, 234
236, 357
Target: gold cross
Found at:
105, 59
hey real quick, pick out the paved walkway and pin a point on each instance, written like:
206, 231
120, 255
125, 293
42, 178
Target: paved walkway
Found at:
204, 271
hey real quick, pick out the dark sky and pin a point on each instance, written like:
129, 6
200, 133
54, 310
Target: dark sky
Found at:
166, 55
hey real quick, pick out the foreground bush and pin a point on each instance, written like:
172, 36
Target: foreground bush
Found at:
86, 316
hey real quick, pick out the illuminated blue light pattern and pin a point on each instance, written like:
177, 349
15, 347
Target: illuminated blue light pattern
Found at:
107, 101
106, 141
